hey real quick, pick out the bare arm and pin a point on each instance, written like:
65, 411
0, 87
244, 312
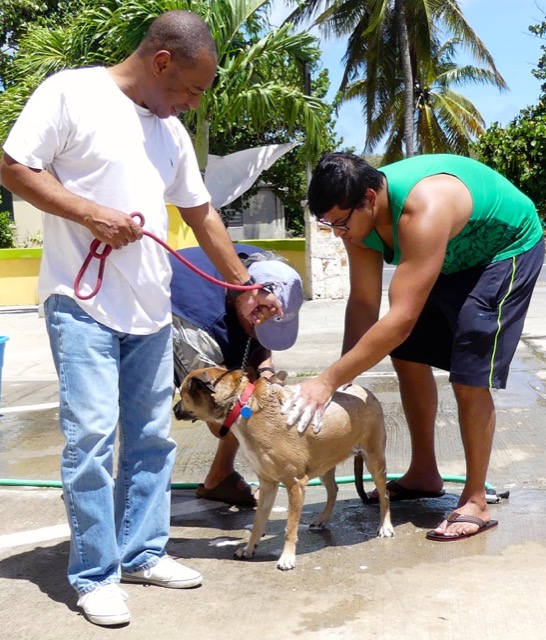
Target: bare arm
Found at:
46, 193
210, 232
365, 275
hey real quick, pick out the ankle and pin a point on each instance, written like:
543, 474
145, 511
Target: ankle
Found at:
213, 479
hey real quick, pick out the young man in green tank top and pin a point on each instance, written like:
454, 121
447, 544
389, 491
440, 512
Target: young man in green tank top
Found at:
468, 247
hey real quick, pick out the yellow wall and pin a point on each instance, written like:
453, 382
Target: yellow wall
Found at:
19, 276
19, 267
180, 235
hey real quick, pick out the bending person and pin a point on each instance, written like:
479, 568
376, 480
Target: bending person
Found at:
468, 247
209, 329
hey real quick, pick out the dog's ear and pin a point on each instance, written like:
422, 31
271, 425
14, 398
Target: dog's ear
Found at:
229, 386
200, 382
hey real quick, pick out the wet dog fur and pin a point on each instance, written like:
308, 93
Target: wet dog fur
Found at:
352, 424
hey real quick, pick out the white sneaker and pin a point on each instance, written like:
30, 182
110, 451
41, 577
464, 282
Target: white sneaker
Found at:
105, 605
166, 573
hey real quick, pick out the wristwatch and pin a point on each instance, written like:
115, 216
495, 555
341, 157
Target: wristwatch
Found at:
233, 294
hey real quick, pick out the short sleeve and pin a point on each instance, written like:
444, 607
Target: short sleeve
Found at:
40, 131
188, 188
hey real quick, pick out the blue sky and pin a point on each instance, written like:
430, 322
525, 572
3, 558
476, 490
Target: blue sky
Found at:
502, 25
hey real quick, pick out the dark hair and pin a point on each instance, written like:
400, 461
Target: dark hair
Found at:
341, 179
183, 33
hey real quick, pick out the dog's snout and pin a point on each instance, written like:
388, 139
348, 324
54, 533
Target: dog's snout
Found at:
181, 413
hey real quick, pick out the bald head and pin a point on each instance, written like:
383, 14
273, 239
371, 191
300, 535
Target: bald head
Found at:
183, 33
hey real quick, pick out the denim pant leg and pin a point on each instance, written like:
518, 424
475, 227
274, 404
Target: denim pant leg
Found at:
86, 356
147, 453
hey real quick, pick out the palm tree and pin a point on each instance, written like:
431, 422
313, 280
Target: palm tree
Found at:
445, 121
393, 51
244, 89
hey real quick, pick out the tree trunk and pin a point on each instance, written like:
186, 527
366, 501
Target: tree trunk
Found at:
201, 143
409, 107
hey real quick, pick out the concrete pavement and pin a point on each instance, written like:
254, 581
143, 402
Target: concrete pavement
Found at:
347, 584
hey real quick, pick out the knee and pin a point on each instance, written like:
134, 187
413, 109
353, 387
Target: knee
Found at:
411, 371
466, 393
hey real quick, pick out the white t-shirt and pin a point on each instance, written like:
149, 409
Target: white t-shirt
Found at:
100, 145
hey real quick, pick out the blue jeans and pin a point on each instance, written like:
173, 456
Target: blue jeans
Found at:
109, 378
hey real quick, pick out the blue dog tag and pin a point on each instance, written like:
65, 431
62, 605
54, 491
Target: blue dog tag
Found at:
246, 411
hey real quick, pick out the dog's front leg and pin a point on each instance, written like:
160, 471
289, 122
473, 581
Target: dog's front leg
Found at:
268, 491
296, 496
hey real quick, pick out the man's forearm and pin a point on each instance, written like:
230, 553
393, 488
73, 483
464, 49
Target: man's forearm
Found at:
359, 318
46, 193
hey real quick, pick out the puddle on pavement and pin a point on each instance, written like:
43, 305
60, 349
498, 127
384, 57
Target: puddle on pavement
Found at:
30, 445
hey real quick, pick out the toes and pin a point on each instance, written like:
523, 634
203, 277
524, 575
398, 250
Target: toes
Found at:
286, 563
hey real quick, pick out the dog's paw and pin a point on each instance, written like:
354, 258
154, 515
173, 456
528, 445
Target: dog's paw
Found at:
386, 532
244, 553
286, 562
318, 525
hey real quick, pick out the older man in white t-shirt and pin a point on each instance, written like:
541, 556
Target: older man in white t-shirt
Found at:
91, 147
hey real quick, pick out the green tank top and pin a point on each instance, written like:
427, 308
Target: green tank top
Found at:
504, 221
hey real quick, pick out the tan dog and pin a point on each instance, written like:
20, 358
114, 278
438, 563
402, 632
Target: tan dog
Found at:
353, 423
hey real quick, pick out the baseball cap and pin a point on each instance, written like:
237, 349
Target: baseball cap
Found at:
279, 332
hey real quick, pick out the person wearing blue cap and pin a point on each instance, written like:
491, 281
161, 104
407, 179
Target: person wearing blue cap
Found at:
210, 330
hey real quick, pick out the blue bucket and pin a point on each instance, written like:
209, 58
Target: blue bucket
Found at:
3, 340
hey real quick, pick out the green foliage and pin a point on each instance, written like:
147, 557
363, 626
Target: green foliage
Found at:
7, 231
31, 241
17, 16
258, 96
539, 30
400, 64
518, 152
376, 160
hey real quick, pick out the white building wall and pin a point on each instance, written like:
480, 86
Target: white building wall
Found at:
326, 262
28, 221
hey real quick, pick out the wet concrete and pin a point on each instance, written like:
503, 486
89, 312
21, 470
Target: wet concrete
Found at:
347, 583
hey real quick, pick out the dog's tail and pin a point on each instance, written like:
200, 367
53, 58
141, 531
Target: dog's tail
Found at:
359, 478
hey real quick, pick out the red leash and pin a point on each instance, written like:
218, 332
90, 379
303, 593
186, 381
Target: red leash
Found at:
101, 256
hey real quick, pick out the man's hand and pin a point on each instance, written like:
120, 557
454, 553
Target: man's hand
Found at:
113, 227
258, 305
307, 404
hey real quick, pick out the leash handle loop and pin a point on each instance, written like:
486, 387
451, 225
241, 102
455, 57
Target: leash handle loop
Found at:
101, 257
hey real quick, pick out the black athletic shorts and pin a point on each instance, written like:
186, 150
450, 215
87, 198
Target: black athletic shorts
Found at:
472, 321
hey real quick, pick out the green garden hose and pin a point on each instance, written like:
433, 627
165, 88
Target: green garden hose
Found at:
57, 484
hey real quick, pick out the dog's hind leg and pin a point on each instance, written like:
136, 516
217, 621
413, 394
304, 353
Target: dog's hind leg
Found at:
266, 499
296, 497
329, 482
377, 467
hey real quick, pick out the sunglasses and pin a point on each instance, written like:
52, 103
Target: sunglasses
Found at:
341, 224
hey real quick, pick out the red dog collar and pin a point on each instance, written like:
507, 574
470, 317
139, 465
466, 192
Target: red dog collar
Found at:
241, 407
